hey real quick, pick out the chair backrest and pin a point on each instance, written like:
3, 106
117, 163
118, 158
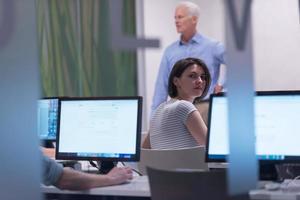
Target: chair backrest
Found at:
144, 135
185, 158
191, 185
203, 107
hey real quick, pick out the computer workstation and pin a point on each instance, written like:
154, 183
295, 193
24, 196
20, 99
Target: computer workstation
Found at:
276, 130
217, 144
103, 129
106, 129
47, 115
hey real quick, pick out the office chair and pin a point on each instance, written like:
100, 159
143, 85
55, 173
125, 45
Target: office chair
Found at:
186, 158
187, 184
203, 107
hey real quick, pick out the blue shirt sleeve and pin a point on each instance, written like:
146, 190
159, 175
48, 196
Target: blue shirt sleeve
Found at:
161, 85
220, 53
52, 171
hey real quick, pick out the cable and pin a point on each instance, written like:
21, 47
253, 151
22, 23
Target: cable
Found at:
293, 182
291, 185
94, 164
288, 171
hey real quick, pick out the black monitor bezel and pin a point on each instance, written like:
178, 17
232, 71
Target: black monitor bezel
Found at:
45, 140
223, 158
135, 157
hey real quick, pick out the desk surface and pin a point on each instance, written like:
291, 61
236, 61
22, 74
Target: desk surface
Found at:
273, 195
287, 190
137, 187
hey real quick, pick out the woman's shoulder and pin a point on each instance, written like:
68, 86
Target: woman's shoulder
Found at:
175, 105
183, 105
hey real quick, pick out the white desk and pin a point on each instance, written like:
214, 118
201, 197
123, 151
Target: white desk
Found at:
288, 190
138, 187
273, 195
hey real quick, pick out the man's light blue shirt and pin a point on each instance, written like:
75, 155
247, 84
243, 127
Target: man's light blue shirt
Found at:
52, 171
208, 50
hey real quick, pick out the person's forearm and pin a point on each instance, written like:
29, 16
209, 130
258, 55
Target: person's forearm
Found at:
222, 75
219, 87
75, 180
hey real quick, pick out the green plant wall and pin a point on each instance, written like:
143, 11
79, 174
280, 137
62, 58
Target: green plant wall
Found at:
75, 56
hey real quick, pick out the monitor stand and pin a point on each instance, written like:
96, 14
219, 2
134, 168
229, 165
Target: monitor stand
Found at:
48, 144
106, 166
268, 172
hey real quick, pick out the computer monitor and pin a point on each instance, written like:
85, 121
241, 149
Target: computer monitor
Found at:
276, 127
47, 118
100, 128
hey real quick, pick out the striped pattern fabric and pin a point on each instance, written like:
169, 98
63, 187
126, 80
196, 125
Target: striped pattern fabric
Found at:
167, 126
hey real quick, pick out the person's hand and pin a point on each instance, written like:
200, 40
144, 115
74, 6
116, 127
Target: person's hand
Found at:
218, 89
119, 175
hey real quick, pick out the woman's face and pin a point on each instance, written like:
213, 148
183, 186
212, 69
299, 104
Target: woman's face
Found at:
191, 83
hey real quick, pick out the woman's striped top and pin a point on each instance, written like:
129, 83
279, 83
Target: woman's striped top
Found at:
168, 125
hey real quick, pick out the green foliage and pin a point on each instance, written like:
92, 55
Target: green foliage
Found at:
75, 56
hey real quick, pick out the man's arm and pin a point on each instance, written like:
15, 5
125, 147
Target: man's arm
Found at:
76, 180
220, 56
70, 179
161, 86
221, 80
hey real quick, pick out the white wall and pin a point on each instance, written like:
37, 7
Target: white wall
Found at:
276, 39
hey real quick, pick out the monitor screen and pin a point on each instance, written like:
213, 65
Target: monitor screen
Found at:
276, 127
47, 118
104, 128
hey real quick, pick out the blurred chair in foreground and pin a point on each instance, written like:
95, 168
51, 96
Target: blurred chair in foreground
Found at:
187, 184
185, 158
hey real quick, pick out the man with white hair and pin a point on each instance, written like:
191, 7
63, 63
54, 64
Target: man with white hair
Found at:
190, 44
